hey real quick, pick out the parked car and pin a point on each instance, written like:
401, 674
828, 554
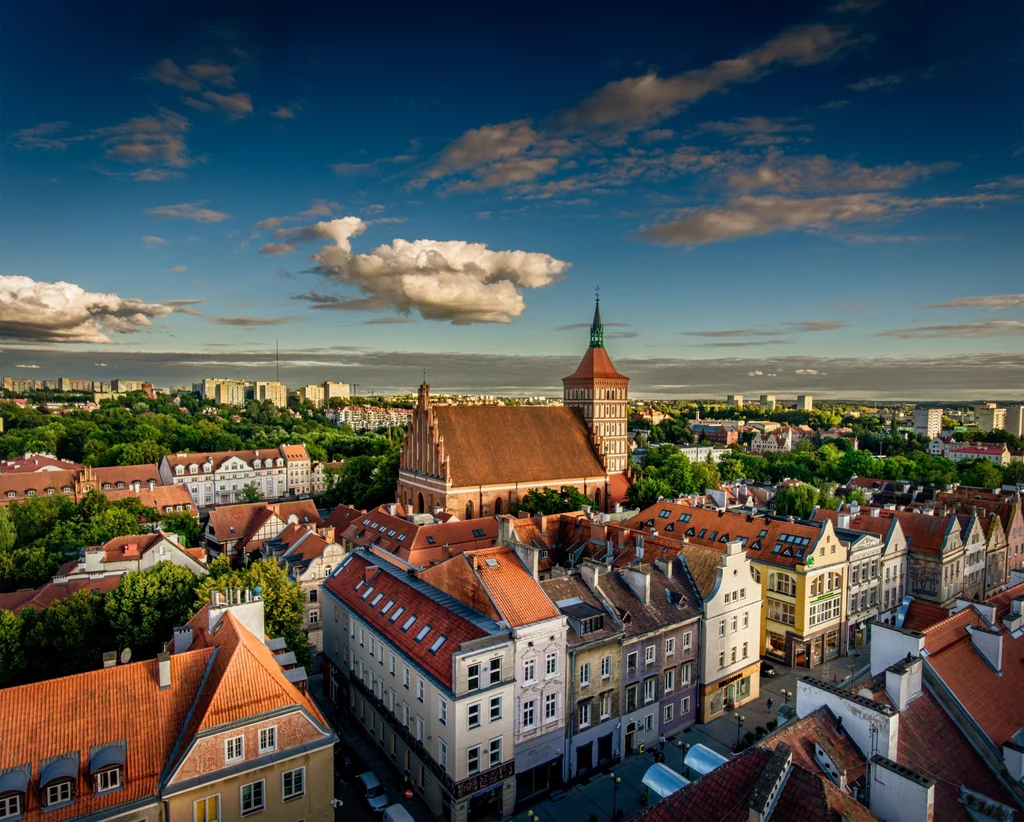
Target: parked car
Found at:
373, 792
767, 669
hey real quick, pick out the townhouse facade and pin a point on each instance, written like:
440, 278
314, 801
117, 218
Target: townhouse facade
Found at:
237, 529
864, 558
221, 477
430, 680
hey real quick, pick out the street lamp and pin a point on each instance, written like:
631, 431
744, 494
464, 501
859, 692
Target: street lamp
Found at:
683, 748
739, 728
616, 781
532, 816
786, 695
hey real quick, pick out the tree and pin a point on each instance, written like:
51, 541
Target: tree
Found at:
549, 501
980, 474
8, 536
12, 652
146, 605
667, 464
855, 463
251, 493
645, 492
705, 476
1013, 473
796, 500
68, 637
283, 600
185, 525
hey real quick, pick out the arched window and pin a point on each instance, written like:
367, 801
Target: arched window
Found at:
469, 510
420, 507
755, 572
497, 506
597, 499
782, 584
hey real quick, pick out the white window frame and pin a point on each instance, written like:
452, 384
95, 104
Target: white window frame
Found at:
469, 715
550, 702
228, 745
112, 785
551, 666
670, 646
490, 752
271, 732
469, 760
442, 710
263, 797
294, 794
650, 655
606, 699
606, 667
442, 754
60, 798
650, 685
529, 707
206, 810
584, 716
529, 670
670, 680
12, 805
687, 640
495, 701
584, 674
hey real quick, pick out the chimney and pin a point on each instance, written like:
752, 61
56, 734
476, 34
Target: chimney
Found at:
903, 681
182, 637
639, 582
109, 659
327, 532
900, 794
152, 484
589, 571
989, 644
393, 509
854, 509
618, 508
249, 613
733, 548
843, 520
639, 546
163, 662
664, 565
598, 531
770, 783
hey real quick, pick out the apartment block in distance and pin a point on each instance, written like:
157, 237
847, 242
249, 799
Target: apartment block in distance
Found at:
276, 392
735, 400
989, 417
768, 402
804, 402
927, 421
339, 390
313, 393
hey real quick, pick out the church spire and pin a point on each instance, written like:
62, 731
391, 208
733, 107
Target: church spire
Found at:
597, 328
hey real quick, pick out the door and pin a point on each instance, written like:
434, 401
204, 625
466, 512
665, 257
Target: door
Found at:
630, 737
584, 758
800, 655
604, 749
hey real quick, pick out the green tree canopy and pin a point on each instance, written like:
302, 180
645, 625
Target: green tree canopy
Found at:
796, 500
146, 605
549, 501
645, 492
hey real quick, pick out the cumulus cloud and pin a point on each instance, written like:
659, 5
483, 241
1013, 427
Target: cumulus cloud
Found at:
995, 302
65, 312
189, 211
882, 83
636, 102
185, 306
750, 216
453, 281
810, 371
987, 328
484, 145
150, 240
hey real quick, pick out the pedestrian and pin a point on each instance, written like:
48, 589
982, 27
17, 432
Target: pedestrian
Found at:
661, 740
769, 705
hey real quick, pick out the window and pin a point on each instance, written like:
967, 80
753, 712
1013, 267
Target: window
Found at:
779, 611
743, 593
670, 646
529, 716
550, 706
684, 676
606, 705
313, 595
252, 797
473, 715
670, 679
650, 689
206, 810
494, 753
419, 689
268, 739
631, 660
746, 648
721, 627
631, 694
473, 760
408, 623
442, 754
496, 670
732, 654
670, 712
746, 619
606, 667
826, 610
405, 675
649, 655
391, 664
234, 749
684, 705
419, 727
782, 584
10, 805
687, 640
108, 780
585, 674
585, 714
472, 677
721, 659
648, 722
551, 667
423, 632
372, 648
405, 714
495, 708
530, 670
314, 617
398, 612
732, 625
442, 710
293, 784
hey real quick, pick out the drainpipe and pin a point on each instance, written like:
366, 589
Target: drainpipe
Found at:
571, 713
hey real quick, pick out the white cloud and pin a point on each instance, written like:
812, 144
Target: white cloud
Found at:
757, 131
882, 83
755, 373
65, 312
233, 106
45, 136
194, 76
318, 208
150, 240
483, 145
287, 112
26, 365
177, 268
995, 302
189, 211
454, 281
636, 102
157, 138
811, 371
986, 328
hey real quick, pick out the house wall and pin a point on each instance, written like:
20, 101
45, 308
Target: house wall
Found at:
579, 736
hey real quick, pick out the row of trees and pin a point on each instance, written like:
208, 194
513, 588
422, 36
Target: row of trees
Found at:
71, 635
40, 533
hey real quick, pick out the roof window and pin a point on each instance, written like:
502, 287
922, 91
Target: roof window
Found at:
408, 623
665, 513
685, 518
437, 644
367, 592
392, 532
478, 532
398, 612
377, 599
401, 537
423, 632
430, 540
491, 562
387, 607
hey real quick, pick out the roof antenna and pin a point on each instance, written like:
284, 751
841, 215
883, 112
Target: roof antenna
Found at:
277, 345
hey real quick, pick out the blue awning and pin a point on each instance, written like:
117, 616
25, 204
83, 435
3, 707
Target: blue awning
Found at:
702, 760
663, 780
15, 779
59, 767
105, 756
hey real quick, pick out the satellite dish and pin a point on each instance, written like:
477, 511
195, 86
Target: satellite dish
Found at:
126, 656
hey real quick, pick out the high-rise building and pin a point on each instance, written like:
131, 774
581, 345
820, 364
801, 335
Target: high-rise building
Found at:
927, 421
313, 393
1015, 420
989, 417
276, 392
768, 402
230, 392
340, 390
735, 400
804, 402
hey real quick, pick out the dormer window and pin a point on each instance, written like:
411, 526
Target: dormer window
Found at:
13, 790
11, 494
257, 463
60, 793
57, 778
207, 467
120, 485
179, 469
193, 469
30, 493
66, 489
106, 766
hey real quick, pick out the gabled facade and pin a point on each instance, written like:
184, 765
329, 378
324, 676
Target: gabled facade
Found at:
139, 552
234, 529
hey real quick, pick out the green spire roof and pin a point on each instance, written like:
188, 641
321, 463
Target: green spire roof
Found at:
596, 328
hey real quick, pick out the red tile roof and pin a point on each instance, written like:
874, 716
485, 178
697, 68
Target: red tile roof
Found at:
925, 533
74, 713
247, 517
38, 598
160, 498
428, 606
820, 727
519, 598
29, 464
596, 364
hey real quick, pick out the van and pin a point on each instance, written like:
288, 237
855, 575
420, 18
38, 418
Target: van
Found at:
397, 813
373, 792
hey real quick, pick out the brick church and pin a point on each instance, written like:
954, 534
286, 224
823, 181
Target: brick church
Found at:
477, 461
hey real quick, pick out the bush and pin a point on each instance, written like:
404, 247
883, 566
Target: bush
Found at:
772, 724
760, 732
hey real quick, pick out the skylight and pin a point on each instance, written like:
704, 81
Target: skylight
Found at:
665, 513
491, 562
478, 532
366, 522
366, 593
377, 599
430, 540
387, 607
401, 537
392, 532
437, 644
409, 622
360, 584
398, 612
423, 632
685, 517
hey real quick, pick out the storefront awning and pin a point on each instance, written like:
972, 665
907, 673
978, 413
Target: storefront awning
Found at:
663, 780
702, 760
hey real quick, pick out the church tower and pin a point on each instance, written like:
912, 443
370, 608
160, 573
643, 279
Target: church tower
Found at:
600, 393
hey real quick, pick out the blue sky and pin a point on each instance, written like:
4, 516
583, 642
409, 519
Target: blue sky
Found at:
763, 194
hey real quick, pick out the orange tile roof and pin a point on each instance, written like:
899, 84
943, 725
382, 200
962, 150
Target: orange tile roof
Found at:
820, 727
294, 452
159, 497
516, 593
551, 444
247, 517
596, 364
74, 713
921, 615
38, 598
925, 533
